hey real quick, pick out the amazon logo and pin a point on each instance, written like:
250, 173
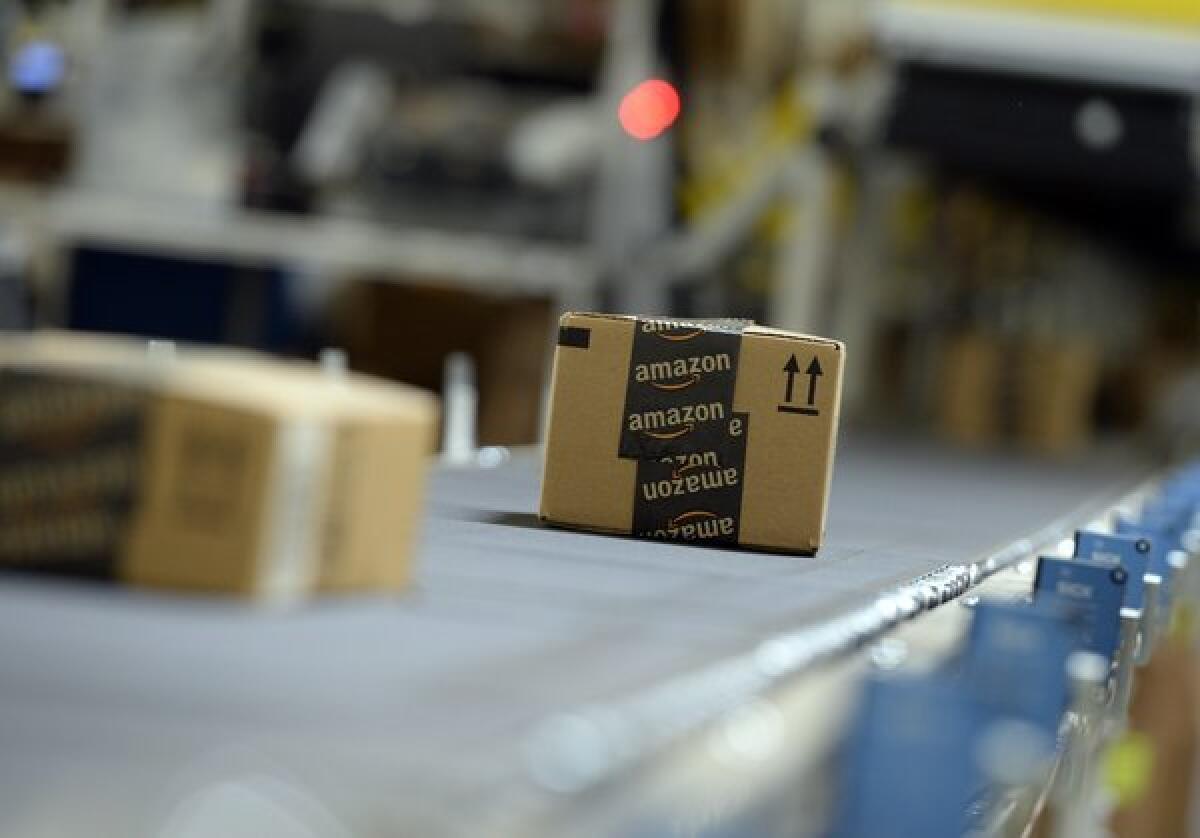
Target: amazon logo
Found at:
696, 525
681, 373
673, 330
674, 422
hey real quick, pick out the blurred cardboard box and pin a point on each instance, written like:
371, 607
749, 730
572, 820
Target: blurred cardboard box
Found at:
1151, 770
1057, 388
970, 397
1040, 394
405, 332
717, 432
211, 471
35, 146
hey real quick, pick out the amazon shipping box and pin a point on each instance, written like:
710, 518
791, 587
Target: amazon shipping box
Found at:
717, 432
206, 470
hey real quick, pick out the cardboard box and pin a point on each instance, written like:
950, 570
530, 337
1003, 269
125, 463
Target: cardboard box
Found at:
970, 395
1155, 793
211, 471
715, 431
405, 330
1056, 393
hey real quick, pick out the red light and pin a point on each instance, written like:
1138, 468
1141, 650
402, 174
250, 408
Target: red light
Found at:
649, 109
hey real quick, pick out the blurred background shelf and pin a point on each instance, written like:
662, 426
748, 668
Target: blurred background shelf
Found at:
333, 246
1138, 49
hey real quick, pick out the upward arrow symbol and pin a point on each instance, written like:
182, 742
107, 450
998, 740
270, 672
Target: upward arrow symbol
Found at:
791, 368
813, 372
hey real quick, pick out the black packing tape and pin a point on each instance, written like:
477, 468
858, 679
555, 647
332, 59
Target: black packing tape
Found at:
694, 497
679, 425
70, 454
679, 393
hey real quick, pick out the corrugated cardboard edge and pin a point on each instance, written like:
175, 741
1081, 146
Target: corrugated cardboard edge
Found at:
767, 331
754, 328
835, 428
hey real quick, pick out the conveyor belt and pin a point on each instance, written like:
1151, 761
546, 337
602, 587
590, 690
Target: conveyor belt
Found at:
122, 711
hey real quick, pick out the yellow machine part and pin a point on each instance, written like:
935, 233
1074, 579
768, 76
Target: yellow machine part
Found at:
1175, 13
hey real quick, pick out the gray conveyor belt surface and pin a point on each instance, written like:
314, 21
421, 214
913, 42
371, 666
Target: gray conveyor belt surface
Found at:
120, 710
